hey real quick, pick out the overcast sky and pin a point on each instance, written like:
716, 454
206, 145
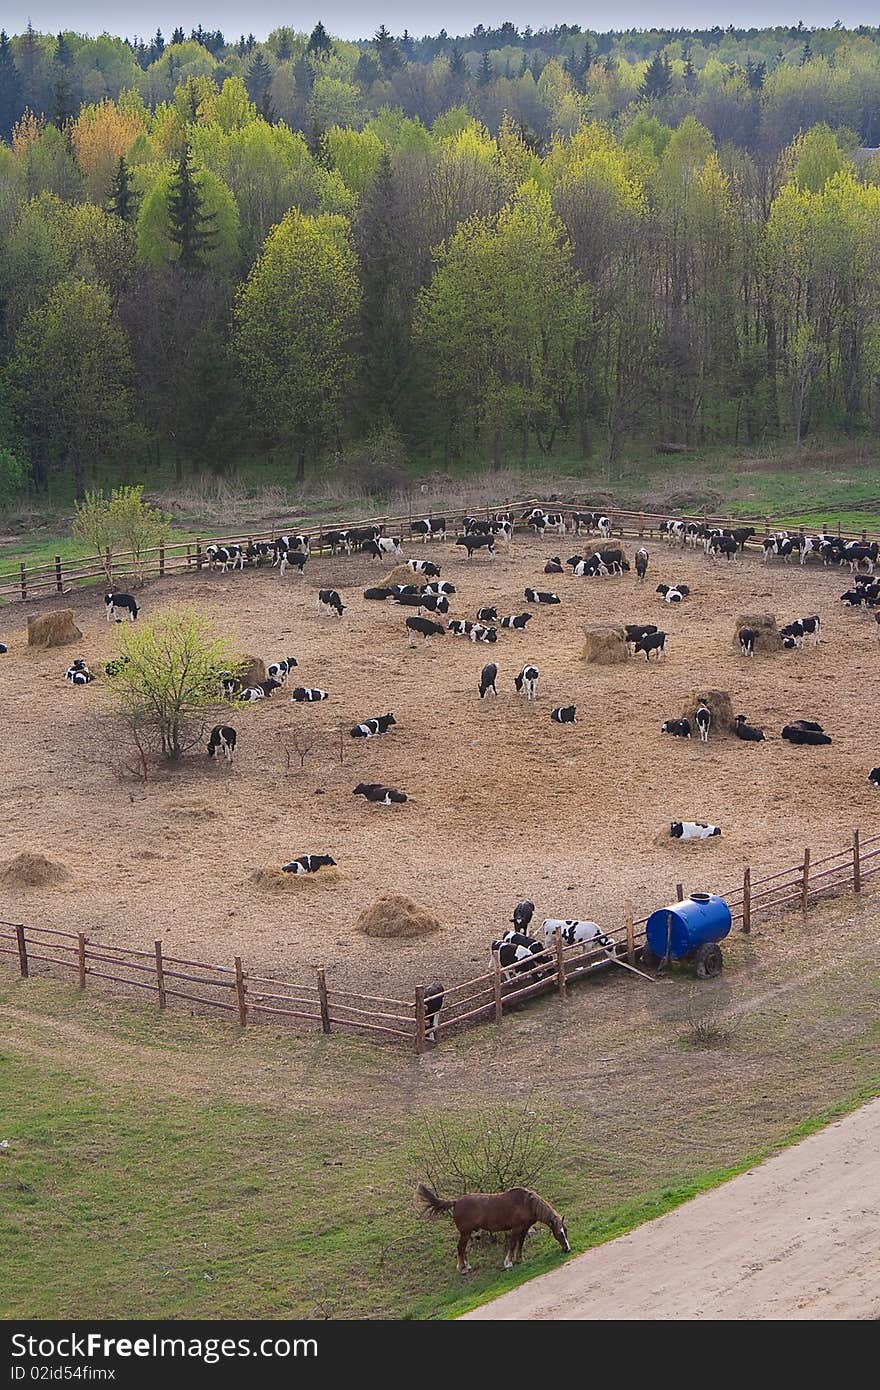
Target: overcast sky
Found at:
358, 20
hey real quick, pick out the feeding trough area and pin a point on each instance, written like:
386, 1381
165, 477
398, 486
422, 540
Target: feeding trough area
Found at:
689, 930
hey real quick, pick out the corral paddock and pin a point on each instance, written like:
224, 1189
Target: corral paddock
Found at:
503, 804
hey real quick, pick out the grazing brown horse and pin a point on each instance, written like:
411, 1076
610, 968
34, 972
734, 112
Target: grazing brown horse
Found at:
515, 1211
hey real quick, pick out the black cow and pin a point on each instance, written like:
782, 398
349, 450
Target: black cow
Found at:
430, 527
747, 639
433, 1000
564, 714
641, 564
680, 728
652, 642
379, 794
477, 542
523, 914
746, 731
805, 731
425, 627
553, 565
377, 593
223, 739
487, 679
124, 601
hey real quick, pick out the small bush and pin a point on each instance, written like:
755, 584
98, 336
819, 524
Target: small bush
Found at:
706, 1027
122, 520
505, 1145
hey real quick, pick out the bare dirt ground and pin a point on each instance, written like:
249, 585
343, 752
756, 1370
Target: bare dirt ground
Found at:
797, 1238
503, 804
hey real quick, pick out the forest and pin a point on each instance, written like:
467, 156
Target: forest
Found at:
466, 249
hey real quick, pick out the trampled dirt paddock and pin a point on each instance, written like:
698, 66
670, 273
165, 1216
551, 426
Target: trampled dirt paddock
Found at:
503, 804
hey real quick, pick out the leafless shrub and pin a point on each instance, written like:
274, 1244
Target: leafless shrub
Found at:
706, 1027
505, 1145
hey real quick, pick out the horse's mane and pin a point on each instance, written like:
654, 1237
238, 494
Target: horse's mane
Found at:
544, 1212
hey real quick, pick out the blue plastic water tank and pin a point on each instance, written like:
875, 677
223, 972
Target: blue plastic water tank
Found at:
686, 925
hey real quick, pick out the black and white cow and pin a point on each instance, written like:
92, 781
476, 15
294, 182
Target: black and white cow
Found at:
573, 931
459, 627
336, 541
527, 682
516, 952
516, 622
372, 727
222, 740
301, 543
429, 527
258, 551
224, 556
262, 690
553, 565
636, 631
473, 543
747, 639
308, 695
540, 596
672, 593
792, 632
584, 521
502, 530
641, 564
812, 627
425, 567
479, 633
476, 526
874, 776
433, 1001
230, 685
679, 728
523, 914
424, 627
308, 864
723, 545
293, 559
380, 795
280, 670
487, 615
488, 676
440, 587
78, 673
703, 721
126, 602
359, 534
3, 649
385, 545
692, 830
746, 731
329, 602
564, 714
651, 642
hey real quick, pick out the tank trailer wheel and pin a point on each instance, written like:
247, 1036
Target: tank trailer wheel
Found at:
708, 961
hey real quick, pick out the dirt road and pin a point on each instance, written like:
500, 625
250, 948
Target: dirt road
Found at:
796, 1238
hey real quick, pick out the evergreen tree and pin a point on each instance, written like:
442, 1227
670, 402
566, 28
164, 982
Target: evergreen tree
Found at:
178, 36
806, 53
257, 81
386, 311
28, 61
122, 201
320, 43
158, 45
189, 226
64, 99
11, 103
484, 71
456, 62
284, 49
366, 69
386, 50
658, 78
690, 76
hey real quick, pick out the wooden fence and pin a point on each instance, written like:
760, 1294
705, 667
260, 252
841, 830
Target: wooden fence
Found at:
482, 999
174, 557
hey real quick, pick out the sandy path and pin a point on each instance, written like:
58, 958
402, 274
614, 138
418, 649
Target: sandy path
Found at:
796, 1238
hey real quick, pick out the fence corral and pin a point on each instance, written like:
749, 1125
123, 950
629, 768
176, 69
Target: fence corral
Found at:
482, 999
174, 557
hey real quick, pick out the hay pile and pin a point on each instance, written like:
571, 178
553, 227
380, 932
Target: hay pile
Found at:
54, 629
29, 870
253, 670
604, 643
401, 574
393, 915
274, 880
768, 639
720, 707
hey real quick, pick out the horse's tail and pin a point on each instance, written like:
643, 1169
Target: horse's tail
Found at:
429, 1203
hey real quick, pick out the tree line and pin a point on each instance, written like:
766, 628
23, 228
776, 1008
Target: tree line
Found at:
190, 276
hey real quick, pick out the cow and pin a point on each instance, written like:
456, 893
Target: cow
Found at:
723, 545
308, 695
224, 556
476, 526
330, 602
425, 628
379, 794
293, 559
459, 627
703, 721
114, 667
564, 714
523, 914
593, 567
378, 593
516, 622
337, 540
280, 670
673, 593
3, 649
741, 534
539, 596
124, 601
258, 551
370, 728
746, 731
488, 676
794, 632
516, 953
440, 588
432, 998
487, 615
747, 639
479, 633
692, 830
874, 776
805, 731
222, 740
359, 534
78, 673
636, 631
229, 684
261, 690
651, 642
679, 728
425, 567
473, 543
641, 564
308, 864
573, 931
384, 545
429, 527
553, 565
527, 682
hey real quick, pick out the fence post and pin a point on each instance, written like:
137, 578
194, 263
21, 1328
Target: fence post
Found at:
630, 934
240, 992
420, 1018
188, 557
747, 899
805, 886
560, 963
108, 564
641, 525
59, 582
857, 863
198, 553
23, 579
81, 959
160, 975
679, 891
322, 1000
496, 986
22, 952
162, 560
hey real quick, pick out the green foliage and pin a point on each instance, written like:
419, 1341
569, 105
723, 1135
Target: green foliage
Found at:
122, 521
13, 476
167, 689
195, 223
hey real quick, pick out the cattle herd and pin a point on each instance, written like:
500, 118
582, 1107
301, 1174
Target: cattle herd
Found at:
429, 597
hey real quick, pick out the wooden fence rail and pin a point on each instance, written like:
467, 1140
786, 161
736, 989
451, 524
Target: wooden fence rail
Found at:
172, 556
480, 999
